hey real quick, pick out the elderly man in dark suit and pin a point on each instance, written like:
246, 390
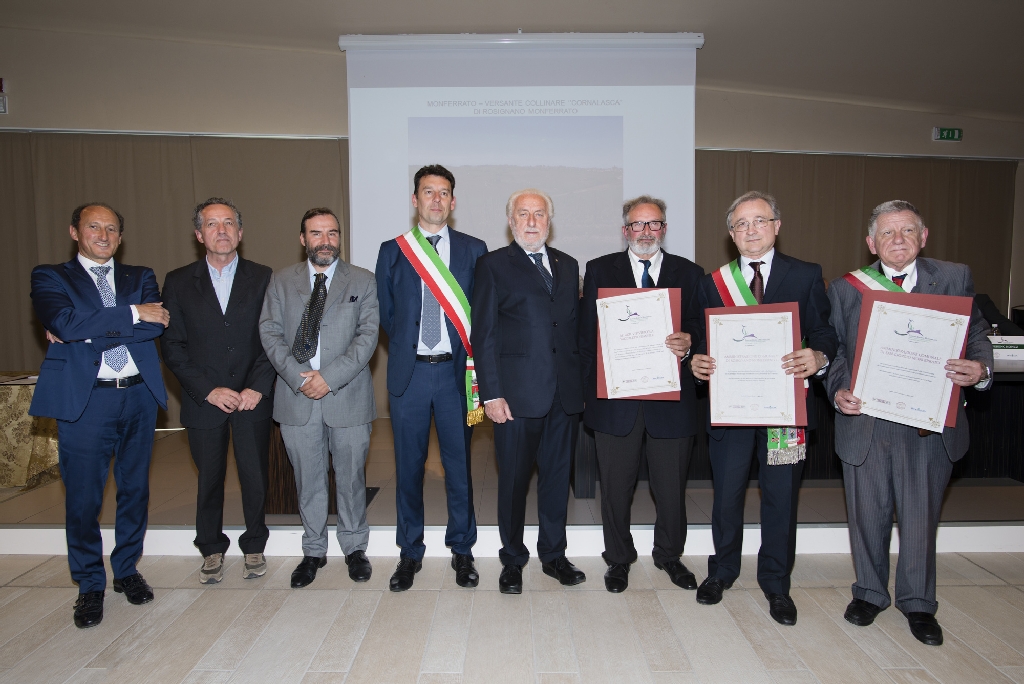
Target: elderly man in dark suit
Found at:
427, 369
622, 426
213, 347
525, 303
101, 380
887, 464
770, 277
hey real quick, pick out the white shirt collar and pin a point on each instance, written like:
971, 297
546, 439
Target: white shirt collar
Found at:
443, 232
765, 258
225, 272
329, 272
655, 260
89, 263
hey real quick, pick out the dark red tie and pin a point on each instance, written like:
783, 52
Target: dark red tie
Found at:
898, 279
757, 282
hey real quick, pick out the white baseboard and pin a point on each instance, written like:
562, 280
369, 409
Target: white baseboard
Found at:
584, 540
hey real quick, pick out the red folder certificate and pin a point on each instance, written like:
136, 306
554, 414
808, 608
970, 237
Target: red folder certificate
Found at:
903, 343
632, 359
749, 385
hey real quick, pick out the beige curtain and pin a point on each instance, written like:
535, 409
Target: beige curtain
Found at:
825, 202
154, 181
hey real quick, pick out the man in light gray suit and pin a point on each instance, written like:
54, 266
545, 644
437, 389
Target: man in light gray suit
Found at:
887, 463
319, 328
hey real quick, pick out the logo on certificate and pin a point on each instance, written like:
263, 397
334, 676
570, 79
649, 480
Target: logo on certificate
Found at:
747, 338
913, 333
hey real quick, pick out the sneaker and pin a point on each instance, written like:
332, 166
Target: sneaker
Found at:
255, 566
213, 569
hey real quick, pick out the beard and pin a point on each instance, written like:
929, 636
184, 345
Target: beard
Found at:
324, 255
643, 245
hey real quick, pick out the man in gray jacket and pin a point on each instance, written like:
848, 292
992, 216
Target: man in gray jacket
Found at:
319, 328
887, 464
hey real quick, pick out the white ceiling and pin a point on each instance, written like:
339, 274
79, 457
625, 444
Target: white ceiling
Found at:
938, 56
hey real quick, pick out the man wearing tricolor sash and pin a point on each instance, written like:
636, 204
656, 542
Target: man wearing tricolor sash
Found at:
424, 283
886, 464
761, 275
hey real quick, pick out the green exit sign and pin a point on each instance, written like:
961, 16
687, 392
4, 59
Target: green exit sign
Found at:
948, 134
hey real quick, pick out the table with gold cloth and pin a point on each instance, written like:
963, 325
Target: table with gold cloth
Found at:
28, 445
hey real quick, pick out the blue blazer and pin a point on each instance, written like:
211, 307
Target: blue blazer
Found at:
791, 280
400, 294
68, 304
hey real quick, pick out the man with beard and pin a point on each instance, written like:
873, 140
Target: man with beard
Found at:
319, 328
622, 426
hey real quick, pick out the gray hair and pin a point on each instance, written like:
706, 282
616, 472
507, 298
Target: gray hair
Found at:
197, 213
630, 205
510, 206
749, 197
893, 207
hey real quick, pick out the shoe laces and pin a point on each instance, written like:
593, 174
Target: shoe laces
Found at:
213, 561
254, 559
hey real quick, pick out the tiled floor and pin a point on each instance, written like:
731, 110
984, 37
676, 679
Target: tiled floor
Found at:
173, 493
338, 631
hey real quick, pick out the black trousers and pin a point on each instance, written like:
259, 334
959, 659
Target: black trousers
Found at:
780, 486
618, 462
210, 453
518, 445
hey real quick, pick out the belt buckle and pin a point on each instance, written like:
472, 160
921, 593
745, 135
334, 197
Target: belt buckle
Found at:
118, 385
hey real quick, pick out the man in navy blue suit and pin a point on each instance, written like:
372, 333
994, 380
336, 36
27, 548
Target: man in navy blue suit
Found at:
101, 381
761, 275
424, 283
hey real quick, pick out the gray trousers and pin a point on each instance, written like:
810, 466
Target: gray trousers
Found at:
909, 472
308, 446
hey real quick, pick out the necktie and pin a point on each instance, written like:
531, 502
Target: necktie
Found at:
307, 337
757, 282
430, 318
116, 358
538, 259
646, 280
898, 279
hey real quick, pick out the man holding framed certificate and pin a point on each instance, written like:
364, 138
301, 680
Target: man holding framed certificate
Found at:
893, 461
761, 275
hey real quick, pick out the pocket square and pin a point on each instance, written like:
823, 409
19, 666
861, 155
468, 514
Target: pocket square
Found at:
353, 298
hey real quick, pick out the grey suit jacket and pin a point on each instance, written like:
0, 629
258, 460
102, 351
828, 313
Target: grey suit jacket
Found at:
348, 336
853, 433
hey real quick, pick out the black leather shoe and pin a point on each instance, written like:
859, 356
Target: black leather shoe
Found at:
134, 588
565, 572
616, 578
359, 569
89, 609
710, 591
781, 608
511, 579
404, 574
677, 572
861, 613
305, 572
465, 571
925, 628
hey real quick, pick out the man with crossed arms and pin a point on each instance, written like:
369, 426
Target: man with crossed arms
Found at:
427, 369
886, 463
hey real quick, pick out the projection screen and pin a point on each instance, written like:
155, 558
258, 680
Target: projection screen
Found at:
591, 119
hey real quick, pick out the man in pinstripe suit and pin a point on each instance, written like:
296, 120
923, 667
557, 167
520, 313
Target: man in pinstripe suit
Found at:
886, 463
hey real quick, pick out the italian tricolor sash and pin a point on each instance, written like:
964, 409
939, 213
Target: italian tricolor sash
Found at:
867, 278
448, 293
786, 445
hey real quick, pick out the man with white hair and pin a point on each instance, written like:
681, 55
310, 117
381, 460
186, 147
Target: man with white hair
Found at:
525, 302
886, 464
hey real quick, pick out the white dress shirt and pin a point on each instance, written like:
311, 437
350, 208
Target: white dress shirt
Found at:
766, 267
910, 270
444, 250
638, 269
314, 362
543, 251
106, 372
222, 281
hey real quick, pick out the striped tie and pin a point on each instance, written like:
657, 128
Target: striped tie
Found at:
538, 259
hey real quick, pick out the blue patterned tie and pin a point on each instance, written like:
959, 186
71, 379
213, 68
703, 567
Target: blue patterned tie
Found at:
116, 358
646, 280
538, 259
431, 315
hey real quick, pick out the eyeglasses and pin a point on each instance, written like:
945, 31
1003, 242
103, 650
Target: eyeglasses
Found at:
759, 223
638, 226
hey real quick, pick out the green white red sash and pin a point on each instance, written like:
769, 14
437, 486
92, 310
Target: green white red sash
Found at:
868, 278
448, 293
786, 445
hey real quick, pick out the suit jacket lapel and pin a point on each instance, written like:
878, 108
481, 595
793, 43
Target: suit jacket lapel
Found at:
780, 267
523, 262
623, 272
204, 285
668, 274
239, 286
302, 286
926, 283
122, 284
83, 282
338, 284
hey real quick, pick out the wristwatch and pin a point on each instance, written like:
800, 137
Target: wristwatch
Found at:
984, 376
